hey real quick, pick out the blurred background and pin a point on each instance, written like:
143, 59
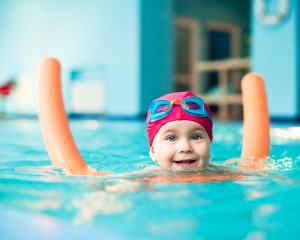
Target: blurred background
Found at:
118, 55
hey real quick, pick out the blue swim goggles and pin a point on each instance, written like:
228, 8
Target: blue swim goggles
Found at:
193, 106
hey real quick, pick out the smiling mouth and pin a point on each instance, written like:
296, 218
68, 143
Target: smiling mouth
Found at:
185, 163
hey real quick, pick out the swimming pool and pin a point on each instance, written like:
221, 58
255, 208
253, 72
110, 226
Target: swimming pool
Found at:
38, 200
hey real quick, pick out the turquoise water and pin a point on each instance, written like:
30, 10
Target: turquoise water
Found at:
39, 201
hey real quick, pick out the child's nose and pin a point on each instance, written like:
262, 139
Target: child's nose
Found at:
185, 146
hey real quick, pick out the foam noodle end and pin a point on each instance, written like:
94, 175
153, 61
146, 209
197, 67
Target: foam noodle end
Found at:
53, 120
256, 141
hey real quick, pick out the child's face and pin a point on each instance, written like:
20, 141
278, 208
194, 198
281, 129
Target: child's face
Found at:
181, 145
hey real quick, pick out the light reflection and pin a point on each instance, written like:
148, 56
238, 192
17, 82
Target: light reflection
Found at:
291, 133
285, 163
43, 205
97, 203
257, 235
262, 216
91, 124
254, 195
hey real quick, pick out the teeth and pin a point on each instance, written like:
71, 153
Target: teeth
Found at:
185, 161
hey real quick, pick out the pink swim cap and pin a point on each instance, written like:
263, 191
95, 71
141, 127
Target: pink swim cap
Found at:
178, 114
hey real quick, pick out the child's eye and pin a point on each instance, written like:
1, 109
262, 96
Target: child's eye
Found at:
171, 138
197, 137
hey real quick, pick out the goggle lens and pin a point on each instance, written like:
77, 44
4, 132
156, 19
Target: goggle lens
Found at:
161, 108
192, 105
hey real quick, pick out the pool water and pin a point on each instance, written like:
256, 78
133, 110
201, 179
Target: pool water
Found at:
38, 201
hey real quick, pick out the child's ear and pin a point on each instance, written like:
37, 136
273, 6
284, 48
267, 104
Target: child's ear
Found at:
152, 154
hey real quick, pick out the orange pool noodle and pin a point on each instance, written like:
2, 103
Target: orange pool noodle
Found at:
56, 132
256, 141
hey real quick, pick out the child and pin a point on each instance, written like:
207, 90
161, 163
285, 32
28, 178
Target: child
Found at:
179, 127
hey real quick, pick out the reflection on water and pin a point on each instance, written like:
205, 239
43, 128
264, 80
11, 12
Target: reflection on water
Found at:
285, 135
261, 204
